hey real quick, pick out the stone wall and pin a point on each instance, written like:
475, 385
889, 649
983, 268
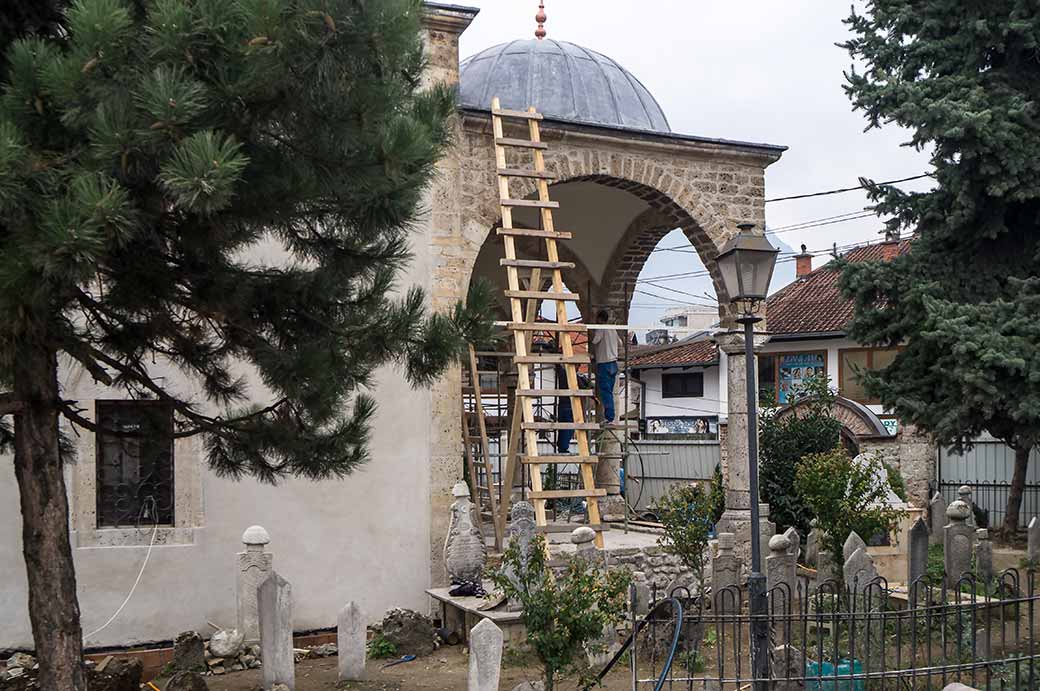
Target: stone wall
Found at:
663, 571
912, 453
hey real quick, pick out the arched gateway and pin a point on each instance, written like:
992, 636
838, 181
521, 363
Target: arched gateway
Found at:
624, 179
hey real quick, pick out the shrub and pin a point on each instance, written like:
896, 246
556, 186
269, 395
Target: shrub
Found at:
687, 514
783, 442
564, 612
717, 495
845, 497
380, 648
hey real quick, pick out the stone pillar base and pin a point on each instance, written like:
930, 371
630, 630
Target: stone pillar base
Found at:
612, 508
738, 522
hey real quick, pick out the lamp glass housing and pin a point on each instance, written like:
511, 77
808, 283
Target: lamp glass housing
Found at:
746, 263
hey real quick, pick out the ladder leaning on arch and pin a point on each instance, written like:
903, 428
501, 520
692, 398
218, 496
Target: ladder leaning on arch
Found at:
522, 328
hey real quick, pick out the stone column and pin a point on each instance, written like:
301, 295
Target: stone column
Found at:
735, 471
608, 475
254, 566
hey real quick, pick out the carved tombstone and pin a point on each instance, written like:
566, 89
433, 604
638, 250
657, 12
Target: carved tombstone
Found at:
485, 656
964, 494
725, 572
957, 543
860, 571
983, 556
254, 566
274, 597
937, 519
780, 565
917, 551
465, 551
521, 532
796, 542
852, 543
812, 544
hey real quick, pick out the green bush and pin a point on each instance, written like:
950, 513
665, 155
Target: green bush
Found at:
380, 648
687, 514
563, 613
783, 442
845, 497
717, 495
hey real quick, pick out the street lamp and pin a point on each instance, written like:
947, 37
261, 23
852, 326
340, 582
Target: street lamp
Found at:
746, 263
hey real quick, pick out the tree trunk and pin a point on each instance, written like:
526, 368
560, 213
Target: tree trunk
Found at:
1018, 483
53, 606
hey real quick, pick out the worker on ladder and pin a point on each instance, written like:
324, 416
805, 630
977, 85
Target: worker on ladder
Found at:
605, 346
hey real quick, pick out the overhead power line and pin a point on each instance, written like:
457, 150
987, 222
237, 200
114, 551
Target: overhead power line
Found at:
845, 189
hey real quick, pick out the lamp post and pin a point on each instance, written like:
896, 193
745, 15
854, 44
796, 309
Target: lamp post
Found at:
746, 263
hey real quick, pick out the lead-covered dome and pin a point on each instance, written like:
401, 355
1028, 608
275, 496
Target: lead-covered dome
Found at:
563, 81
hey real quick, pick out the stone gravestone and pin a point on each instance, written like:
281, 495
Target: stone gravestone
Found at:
780, 565
725, 572
187, 681
964, 494
485, 656
274, 605
860, 571
983, 556
351, 642
189, 652
957, 543
937, 519
852, 543
521, 531
796, 542
254, 566
917, 548
1033, 542
465, 552
812, 544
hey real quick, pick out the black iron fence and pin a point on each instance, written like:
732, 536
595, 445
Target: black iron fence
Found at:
832, 637
990, 500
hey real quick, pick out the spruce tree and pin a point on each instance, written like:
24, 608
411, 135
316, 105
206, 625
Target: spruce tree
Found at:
964, 78
213, 186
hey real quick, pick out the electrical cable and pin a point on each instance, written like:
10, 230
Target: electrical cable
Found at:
845, 189
155, 531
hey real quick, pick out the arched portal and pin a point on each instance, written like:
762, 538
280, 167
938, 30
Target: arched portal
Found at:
858, 422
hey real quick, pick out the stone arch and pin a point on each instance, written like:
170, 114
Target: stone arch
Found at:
858, 422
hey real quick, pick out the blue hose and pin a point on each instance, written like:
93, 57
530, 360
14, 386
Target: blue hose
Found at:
677, 608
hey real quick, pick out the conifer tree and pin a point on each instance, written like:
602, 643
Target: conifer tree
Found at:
964, 78
210, 186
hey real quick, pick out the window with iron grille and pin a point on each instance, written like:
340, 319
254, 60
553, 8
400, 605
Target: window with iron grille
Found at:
134, 463
682, 385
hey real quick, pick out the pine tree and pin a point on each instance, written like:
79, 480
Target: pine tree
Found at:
964, 78
210, 185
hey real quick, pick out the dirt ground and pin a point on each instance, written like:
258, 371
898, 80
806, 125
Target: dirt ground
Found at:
445, 669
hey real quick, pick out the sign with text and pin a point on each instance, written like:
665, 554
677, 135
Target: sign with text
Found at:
795, 369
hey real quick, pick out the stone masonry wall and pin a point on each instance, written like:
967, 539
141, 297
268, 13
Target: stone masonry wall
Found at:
912, 453
663, 571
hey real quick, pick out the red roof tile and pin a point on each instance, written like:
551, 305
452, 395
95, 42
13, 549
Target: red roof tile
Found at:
813, 304
701, 352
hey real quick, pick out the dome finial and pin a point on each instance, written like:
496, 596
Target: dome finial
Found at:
540, 18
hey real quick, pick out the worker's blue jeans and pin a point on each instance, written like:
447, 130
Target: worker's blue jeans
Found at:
606, 376
564, 436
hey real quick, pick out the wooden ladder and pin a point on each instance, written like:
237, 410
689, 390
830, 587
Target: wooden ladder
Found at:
522, 328
478, 451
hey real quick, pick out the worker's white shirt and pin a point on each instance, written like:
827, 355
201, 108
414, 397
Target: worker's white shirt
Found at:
605, 345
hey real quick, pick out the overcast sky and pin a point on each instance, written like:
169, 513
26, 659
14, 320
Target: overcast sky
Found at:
759, 71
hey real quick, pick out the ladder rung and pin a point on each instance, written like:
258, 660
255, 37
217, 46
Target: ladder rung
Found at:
569, 527
549, 426
556, 393
493, 353
522, 173
521, 143
535, 264
553, 358
506, 113
530, 203
557, 459
542, 295
568, 493
545, 326
532, 233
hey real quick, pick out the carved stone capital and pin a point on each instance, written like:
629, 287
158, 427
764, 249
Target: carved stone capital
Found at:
732, 342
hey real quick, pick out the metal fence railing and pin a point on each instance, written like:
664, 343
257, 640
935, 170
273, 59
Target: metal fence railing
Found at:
834, 637
988, 468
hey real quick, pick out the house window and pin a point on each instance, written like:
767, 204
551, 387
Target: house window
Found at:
855, 360
682, 385
767, 378
134, 463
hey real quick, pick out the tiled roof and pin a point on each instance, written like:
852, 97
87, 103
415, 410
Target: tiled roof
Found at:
699, 352
813, 304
